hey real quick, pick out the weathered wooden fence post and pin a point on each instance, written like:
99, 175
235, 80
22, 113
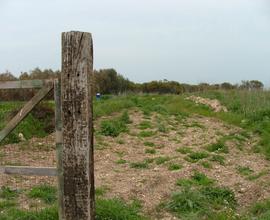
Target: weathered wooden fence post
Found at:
77, 126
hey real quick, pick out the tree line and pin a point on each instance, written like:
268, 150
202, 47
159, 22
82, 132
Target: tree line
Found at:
108, 81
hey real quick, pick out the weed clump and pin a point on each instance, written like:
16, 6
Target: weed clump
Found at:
115, 126
218, 158
200, 199
144, 125
44, 192
161, 160
184, 150
146, 133
8, 193
149, 144
174, 166
220, 146
150, 151
245, 171
140, 165
196, 156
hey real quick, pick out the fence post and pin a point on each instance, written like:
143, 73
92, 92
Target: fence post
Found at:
59, 141
77, 126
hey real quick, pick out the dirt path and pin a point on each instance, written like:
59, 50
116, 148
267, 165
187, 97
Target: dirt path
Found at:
154, 183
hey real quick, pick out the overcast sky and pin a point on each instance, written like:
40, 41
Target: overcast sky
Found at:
189, 41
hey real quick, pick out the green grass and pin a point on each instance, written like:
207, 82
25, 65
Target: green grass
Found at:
146, 134
196, 156
252, 108
116, 209
206, 164
194, 125
201, 179
116, 126
258, 175
197, 179
184, 150
186, 183
101, 191
112, 128
8, 193
260, 210
125, 118
245, 171
121, 161
44, 192
145, 125
112, 105
149, 144
174, 166
119, 141
38, 123
200, 198
220, 146
162, 128
150, 151
198, 203
218, 158
161, 160
50, 213
111, 209
139, 165
7, 204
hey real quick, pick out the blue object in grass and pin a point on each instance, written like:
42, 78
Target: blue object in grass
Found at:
98, 96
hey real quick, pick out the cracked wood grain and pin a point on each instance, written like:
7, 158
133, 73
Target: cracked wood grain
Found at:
77, 126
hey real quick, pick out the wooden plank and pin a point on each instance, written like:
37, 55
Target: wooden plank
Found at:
29, 171
25, 110
24, 84
77, 126
59, 147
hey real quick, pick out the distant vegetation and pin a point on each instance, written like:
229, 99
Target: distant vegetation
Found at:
108, 81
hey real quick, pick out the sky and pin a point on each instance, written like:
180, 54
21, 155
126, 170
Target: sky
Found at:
190, 41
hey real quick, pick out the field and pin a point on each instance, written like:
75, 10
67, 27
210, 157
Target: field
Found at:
156, 157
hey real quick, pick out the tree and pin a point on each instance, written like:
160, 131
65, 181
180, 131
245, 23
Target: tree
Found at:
257, 85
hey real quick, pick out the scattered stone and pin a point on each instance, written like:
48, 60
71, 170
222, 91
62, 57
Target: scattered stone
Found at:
212, 103
21, 137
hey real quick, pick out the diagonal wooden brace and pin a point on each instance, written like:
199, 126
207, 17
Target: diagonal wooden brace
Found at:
25, 111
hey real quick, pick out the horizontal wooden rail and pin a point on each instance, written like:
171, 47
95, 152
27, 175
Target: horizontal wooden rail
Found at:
24, 84
29, 171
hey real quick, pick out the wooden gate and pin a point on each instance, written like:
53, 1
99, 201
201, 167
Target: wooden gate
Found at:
46, 86
74, 127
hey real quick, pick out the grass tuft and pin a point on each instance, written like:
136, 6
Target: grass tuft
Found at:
149, 144
146, 134
184, 150
245, 171
150, 151
218, 158
196, 156
161, 160
174, 166
220, 146
44, 192
139, 165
